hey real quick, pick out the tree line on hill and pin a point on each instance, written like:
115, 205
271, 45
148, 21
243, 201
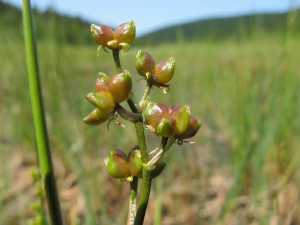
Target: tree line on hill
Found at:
53, 27
49, 26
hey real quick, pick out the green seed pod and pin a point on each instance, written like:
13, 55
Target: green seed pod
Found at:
165, 70
166, 127
192, 129
182, 117
145, 64
154, 113
103, 100
125, 33
120, 86
135, 162
96, 117
117, 165
102, 34
101, 83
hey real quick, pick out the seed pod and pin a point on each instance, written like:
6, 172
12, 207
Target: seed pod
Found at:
102, 34
165, 127
145, 64
101, 82
96, 117
120, 86
117, 165
192, 129
118, 152
125, 33
154, 113
103, 100
165, 70
135, 162
182, 117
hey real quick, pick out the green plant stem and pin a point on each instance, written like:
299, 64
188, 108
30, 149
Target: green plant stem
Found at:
139, 127
145, 194
116, 55
43, 148
132, 201
147, 91
144, 98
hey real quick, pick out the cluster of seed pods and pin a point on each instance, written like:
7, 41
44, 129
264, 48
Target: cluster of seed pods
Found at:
166, 122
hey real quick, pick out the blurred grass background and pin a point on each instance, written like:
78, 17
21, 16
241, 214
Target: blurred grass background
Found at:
242, 169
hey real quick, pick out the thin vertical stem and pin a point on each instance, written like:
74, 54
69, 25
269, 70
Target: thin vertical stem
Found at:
132, 201
116, 55
145, 194
147, 91
40, 126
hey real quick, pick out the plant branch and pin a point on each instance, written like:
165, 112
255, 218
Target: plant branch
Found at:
43, 148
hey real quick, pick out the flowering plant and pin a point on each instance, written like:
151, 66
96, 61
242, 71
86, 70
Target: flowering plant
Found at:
172, 124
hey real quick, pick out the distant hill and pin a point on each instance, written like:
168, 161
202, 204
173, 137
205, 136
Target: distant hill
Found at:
235, 27
51, 26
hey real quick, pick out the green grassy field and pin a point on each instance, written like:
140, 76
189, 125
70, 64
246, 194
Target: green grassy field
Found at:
242, 169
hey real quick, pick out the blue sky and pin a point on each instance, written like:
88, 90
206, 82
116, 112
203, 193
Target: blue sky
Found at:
152, 15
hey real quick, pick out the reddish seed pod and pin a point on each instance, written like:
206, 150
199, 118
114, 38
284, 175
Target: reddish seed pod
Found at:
101, 83
102, 34
145, 64
154, 113
165, 70
192, 129
125, 33
120, 86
